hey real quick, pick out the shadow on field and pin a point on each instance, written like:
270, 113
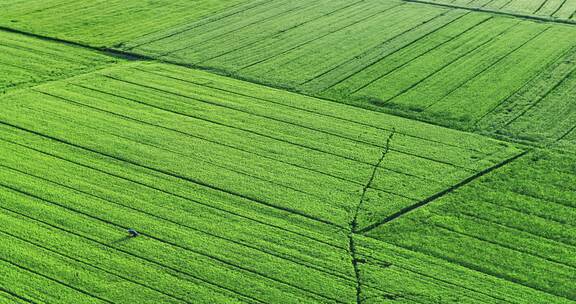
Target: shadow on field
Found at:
120, 240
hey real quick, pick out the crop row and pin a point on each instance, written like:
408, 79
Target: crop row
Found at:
503, 222
73, 114
208, 259
417, 277
26, 61
560, 9
431, 62
441, 87
105, 23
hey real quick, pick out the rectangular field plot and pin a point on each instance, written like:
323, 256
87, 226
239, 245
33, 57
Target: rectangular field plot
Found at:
543, 111
26, 61
104, 23
242, 193
439, 64
515, 225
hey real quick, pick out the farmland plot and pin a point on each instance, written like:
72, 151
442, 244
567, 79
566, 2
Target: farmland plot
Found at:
444, 65
242, 193
26, 62
516, 224
104, 23
542, 112
563, 10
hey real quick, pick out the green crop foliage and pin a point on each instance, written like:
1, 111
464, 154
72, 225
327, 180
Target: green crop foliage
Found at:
287, 151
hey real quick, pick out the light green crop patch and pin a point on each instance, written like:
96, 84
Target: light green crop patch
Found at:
104, 23
304, 155
26, 61
522, 214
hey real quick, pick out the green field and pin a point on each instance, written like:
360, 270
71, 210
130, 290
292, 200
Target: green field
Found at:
275, 151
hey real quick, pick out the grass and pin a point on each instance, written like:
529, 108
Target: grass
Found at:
287, 152
501, 223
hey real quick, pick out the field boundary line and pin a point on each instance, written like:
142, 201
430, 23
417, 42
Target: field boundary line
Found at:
354, 223
89, 265
344, 119
471, 268
442, 193
11, 293
165, 172
498, 12
281, 256
205, 205
113, 52
49, 278
102, 50
223, 262
285, 122
184, 275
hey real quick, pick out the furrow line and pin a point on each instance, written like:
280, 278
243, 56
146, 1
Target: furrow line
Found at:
285, 30
559, 8
416, 57
497, 12
441, 193
183, 275
65, 256
186, 156
526, 85
433, 278
207, 139
177, 195
4, 290
318, 38
184, 178
59, 282
493, 64
447, 65
372, 49
162, 218
492, 221
198, 24
172, 244
477, 269
284, 12
481, 239
290, 123
343, 119
229, 146
566, 133
541, 98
